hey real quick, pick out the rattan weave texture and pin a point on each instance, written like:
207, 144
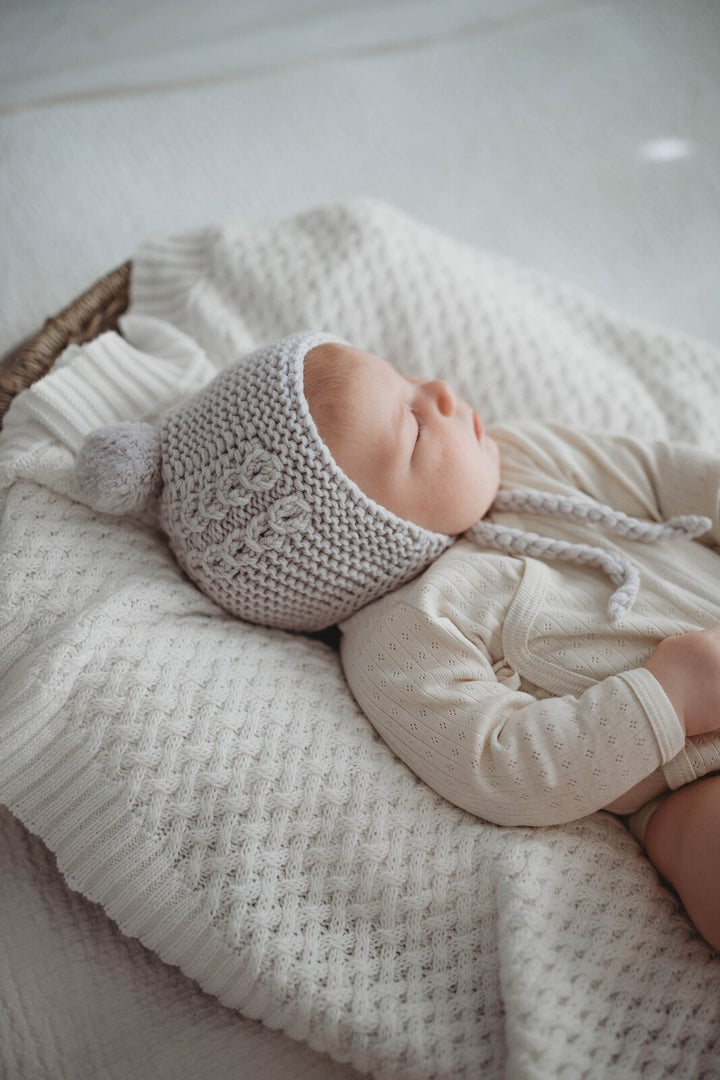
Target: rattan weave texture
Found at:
95, 311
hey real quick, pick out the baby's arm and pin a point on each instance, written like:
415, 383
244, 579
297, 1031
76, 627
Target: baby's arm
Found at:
433, 695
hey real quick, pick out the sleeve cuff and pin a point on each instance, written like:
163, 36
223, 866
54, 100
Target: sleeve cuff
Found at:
107, 381
165, 269
664, 721
197, 283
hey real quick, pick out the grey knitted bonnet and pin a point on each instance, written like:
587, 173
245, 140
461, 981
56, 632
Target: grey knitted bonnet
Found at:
255, 508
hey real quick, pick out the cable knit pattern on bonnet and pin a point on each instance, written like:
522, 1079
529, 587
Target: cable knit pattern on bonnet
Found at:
255, 509
619, 568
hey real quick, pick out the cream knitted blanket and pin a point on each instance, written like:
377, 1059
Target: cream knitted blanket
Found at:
214, 786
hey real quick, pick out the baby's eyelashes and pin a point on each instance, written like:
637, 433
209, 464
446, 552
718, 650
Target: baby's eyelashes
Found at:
420, 425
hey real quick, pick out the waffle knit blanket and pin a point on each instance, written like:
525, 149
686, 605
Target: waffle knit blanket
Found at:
213, 785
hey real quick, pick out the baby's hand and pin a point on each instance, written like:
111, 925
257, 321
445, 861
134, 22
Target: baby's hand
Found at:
688, 669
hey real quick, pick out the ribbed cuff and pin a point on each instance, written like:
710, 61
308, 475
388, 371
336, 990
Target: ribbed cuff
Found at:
699, 756
165, 269
53, 782
110, 380
664, 721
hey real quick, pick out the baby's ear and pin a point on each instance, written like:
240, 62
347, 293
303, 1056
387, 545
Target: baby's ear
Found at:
119, 468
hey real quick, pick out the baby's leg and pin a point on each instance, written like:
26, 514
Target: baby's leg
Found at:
682, 840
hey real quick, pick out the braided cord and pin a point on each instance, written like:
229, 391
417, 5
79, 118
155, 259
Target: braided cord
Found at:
687, 526
619, 568
516, 542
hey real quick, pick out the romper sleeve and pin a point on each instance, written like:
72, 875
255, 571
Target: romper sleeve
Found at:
432, 693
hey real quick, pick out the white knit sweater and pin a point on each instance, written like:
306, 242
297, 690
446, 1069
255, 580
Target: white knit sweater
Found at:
501, 680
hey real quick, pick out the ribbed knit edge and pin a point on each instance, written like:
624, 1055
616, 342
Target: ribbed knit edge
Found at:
68, 801
165, 269
658, 708
684, 768
106, 381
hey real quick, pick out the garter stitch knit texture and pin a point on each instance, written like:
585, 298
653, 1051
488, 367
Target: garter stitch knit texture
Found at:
255, 509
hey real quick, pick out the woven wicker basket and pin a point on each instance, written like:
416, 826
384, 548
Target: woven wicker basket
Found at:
95, 311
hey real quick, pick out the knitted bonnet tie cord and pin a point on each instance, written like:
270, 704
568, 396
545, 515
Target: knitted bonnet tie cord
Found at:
618, 567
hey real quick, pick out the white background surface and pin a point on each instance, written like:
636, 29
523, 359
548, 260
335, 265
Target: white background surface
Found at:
580, 137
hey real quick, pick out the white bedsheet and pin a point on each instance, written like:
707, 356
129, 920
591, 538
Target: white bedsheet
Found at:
535, 128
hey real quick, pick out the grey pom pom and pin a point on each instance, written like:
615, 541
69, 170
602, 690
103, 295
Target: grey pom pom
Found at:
118, 468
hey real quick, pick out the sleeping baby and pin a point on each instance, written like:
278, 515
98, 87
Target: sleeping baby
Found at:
527, 612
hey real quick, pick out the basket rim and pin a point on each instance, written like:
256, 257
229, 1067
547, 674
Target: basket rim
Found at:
93, 312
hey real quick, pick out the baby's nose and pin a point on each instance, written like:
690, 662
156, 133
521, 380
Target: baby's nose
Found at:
444, 396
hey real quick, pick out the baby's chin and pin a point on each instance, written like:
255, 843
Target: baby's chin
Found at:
494, 452
491, 445
490, 464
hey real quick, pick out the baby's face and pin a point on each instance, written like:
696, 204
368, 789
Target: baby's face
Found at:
409, 444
